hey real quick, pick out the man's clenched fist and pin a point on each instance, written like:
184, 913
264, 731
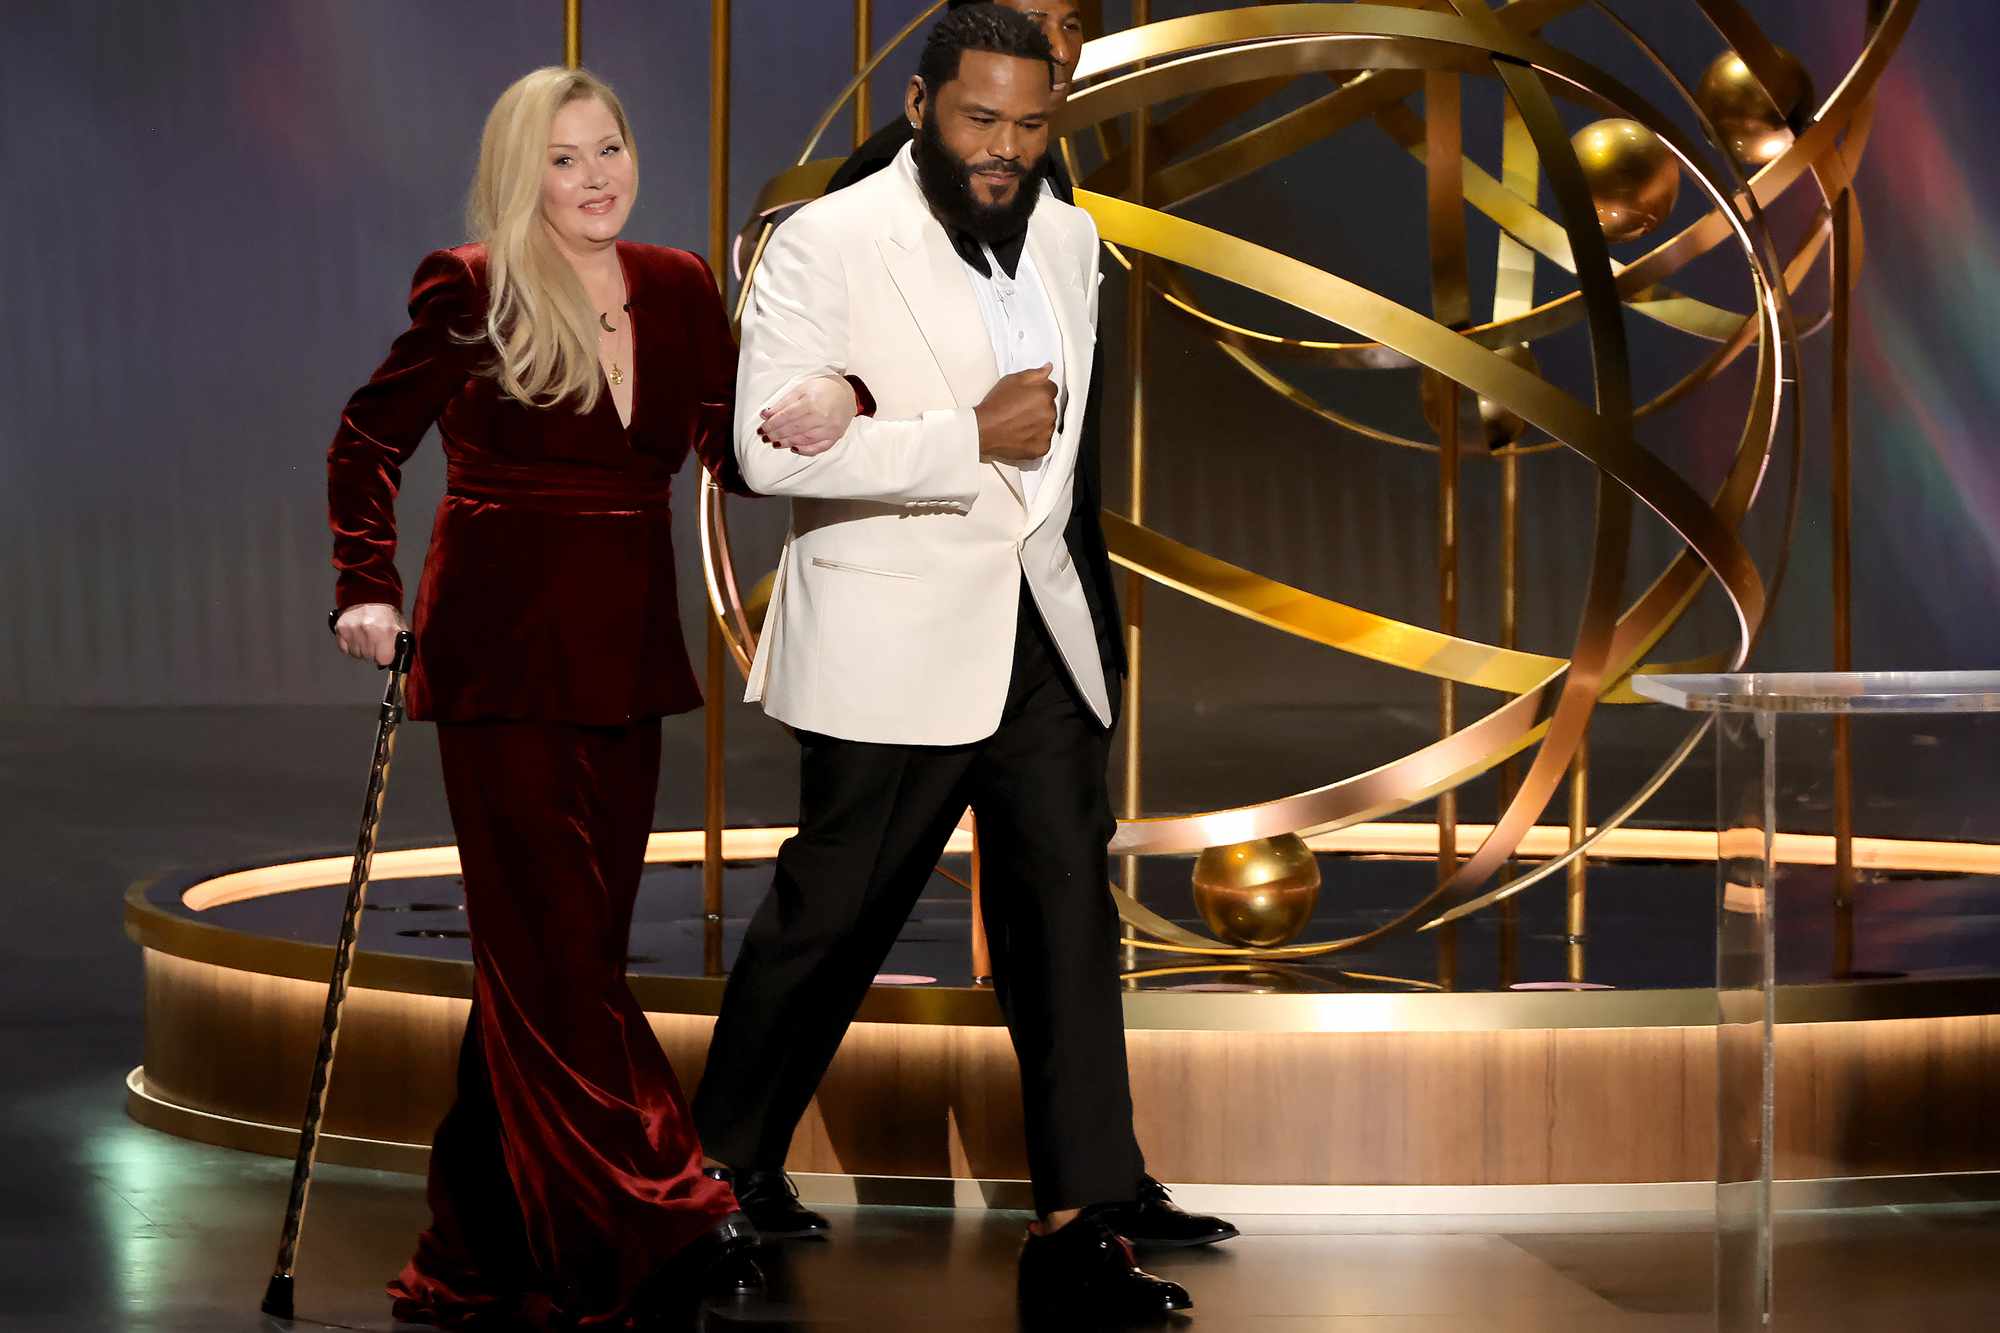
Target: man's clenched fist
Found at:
1017, 418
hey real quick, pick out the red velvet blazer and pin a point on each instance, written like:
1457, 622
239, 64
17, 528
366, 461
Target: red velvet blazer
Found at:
548, 590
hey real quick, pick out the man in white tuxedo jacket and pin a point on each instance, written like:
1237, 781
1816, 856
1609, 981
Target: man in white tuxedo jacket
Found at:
929, 641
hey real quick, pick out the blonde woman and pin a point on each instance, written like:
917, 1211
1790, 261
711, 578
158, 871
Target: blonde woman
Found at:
569, 374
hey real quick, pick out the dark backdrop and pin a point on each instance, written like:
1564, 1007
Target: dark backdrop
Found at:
211, 213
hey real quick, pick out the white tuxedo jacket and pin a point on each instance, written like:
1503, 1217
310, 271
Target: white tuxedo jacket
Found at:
894, 611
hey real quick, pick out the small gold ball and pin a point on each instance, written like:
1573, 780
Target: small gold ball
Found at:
758, 602
1502, 425
1757, 129
1258, 893
1633, 179
1497, 424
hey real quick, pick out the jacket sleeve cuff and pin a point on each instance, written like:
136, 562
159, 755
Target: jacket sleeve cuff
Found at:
956, 472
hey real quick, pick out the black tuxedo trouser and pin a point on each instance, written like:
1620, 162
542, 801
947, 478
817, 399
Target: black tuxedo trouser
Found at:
873, 821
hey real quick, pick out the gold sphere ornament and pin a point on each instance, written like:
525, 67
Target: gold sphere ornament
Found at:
1757, 128
1481, 417
758, 601
1633, 178
1502, 425
1258, 893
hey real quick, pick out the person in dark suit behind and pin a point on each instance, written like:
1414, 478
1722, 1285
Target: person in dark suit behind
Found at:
1153, 1219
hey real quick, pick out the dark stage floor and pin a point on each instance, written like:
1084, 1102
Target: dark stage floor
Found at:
105, 1225
112, 1227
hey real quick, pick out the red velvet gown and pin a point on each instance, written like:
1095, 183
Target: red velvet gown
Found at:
548, 648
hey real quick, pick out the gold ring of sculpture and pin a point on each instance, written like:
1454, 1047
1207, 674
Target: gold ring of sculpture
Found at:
1209, 54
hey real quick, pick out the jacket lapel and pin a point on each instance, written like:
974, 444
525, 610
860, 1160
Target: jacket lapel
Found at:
645, 336
1058, 269
932, 281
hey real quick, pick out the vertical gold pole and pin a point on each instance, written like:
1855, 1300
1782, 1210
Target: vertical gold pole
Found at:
1842, 444
1447, 516
1510, 620
718, 137
1513, 296
864, 47
713, 812
1135, 587
1444, 179
573, 33
1575, 928
982, 956
1451, 304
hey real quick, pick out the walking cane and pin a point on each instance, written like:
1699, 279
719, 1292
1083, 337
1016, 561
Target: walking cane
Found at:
278, 1295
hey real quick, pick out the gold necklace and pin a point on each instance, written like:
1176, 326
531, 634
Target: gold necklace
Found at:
617, 375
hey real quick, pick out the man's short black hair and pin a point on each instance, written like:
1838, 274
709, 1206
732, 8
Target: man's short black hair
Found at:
974, 26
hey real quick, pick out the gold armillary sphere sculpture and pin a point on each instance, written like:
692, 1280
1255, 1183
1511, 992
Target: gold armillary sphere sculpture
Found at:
1615, 182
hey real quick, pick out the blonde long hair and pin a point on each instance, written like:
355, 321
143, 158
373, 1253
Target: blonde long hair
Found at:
541, 325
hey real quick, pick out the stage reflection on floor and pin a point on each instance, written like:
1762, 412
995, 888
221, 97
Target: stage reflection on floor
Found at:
118, 1228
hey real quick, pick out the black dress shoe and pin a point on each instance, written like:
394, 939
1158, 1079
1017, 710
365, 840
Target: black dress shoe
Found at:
715, 1266
1084, 1275
724, 1259
1155, 1221
772, 1202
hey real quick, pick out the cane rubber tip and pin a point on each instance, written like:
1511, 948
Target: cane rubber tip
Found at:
278, 1297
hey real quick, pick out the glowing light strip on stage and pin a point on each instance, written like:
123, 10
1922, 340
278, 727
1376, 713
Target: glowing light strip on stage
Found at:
1381, 838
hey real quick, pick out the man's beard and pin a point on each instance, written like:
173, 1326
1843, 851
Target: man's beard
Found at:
947, 186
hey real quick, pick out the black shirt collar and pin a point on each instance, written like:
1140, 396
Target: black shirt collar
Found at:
1008, 252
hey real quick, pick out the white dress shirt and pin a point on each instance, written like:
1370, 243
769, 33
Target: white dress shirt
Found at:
1021, 323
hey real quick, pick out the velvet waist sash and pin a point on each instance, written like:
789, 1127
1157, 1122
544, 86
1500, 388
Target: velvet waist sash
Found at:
556, 486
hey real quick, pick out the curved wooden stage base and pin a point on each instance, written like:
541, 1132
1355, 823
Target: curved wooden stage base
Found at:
1418, 1102
819, 1189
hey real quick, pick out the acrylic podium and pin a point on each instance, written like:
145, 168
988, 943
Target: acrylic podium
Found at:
1812, 771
